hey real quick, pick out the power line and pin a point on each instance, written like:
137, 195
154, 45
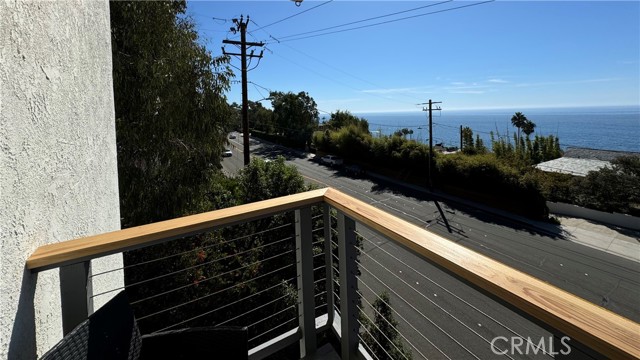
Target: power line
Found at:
383, 22
337, 69
294, 15
364, 20
340, 82
260, 86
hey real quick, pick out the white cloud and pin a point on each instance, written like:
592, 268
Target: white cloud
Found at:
497, 81
406, 90
567, 82
388, 91
466, 91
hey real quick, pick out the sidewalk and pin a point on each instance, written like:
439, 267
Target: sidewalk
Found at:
607, 238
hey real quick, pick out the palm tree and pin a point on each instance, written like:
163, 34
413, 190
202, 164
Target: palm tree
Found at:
527, 127
519, 120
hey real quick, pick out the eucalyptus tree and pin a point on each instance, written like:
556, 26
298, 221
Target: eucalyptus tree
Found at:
170, 108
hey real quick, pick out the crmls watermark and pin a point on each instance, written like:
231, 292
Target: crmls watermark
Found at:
526, 346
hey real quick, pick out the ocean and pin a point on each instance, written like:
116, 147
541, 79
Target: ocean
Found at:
608, 128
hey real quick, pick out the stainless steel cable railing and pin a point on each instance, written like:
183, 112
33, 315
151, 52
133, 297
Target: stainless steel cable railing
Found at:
292, 267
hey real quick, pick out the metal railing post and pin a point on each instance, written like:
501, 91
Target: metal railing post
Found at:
348, 287
75, 294
304, 256
328, 261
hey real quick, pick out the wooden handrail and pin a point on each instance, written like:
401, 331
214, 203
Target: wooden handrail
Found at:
90, 247
608, 333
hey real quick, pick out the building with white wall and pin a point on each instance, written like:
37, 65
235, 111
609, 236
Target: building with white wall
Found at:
58, 169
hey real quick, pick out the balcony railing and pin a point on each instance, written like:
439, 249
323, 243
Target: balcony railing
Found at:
334, 273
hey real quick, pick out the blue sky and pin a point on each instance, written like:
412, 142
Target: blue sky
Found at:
501, 54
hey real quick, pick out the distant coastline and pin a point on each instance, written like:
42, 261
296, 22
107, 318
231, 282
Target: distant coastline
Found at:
607, 127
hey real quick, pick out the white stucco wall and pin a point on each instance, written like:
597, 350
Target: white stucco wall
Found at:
58, 173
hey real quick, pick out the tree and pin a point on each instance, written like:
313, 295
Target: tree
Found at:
528, 127
381, 336
261, 118
479, 146
341, 119
171, 112
612, 188
518, 120
468, 146
233, 255
295, 115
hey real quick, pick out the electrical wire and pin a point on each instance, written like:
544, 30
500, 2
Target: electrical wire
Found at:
340, 70
364, 20
340, 82
387, 321
381, 23
291, 16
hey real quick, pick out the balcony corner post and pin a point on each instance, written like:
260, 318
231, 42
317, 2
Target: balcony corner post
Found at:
328, 261
348, 287
75, 294
306, 298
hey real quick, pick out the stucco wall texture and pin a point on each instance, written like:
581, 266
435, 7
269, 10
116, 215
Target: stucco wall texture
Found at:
58, 170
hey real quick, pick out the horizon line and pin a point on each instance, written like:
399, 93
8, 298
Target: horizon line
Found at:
500, 108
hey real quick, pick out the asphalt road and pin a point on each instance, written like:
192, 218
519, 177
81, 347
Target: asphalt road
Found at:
439, 315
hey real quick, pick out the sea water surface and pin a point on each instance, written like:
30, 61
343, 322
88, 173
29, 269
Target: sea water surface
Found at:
608, 128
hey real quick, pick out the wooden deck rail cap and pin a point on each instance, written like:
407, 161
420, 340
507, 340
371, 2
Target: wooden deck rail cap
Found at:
606, 332
62, 253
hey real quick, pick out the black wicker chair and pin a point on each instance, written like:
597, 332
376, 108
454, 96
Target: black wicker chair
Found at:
112, 333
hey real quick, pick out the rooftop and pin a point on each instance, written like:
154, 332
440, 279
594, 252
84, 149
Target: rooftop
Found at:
580, 161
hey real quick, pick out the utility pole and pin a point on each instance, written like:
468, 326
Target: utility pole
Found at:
242, 27
430, 109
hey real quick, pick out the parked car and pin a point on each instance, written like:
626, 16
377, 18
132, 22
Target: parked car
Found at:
232, 136
332, 160
354, 170
227, 153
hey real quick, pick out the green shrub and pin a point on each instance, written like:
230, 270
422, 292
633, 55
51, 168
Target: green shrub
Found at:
487, 175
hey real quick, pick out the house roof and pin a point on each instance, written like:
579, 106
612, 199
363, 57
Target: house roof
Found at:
579, 161
573, 166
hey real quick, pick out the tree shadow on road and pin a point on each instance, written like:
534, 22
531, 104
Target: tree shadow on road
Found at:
272, 152
486, 215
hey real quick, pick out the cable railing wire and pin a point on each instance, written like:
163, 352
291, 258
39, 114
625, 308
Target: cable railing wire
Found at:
368, 348
208, 279
213, 293
385, 319
252, 310
418, 311
381, 332
409, 323
426, 298
273, 329
227, 305
273, 315
374, 339
198, 265
447, 290
192, 250
214, 261
431, 301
